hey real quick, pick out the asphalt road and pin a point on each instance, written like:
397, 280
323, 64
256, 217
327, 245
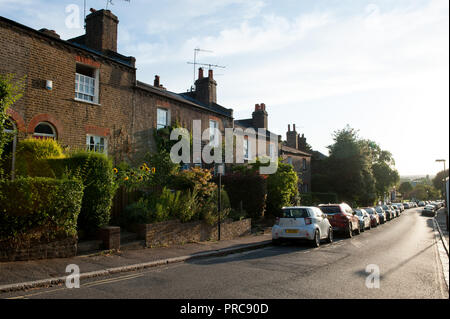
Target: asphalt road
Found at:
405, 250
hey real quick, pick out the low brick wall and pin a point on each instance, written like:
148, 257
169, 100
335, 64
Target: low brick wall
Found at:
176, 233
33, 249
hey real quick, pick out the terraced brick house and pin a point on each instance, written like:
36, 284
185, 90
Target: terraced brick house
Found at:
85, 94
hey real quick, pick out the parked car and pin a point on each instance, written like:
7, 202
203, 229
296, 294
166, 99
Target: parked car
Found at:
429, 210
400, 206
374, 218
342, 218
396, 210
389, 213
382, 214
308, 223
406, 205
364, 219
422, 204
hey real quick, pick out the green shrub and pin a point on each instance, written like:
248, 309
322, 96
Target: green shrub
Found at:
314, 199
237, 186
39, 207
282, 188
96, 172
32, 155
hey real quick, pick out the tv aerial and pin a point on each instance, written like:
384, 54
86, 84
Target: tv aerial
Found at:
195, 63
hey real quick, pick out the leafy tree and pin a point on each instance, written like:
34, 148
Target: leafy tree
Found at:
438, 180
405, 188
11, 90
424, 192
282, 188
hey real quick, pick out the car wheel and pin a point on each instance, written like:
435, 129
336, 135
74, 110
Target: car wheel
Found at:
349, 231
330, 236
316, 240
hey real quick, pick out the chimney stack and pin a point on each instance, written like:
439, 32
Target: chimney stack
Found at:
206, 88
260, 116
291, 136
156, 82
101, 30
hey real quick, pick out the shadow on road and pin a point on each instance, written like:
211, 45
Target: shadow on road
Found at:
363, 273
273, 251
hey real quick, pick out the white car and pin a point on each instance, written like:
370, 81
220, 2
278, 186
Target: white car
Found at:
308, 223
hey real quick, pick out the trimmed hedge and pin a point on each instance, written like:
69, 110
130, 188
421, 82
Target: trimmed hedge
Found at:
248, 190
96, 172
36, 207
32, 155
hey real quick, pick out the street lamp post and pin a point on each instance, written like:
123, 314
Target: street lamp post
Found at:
445, 190
220, 171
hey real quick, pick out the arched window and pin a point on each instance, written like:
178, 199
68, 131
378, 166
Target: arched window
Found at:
44, 130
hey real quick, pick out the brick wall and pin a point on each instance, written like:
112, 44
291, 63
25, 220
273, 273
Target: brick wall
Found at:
32, 250
176, 233
125, 114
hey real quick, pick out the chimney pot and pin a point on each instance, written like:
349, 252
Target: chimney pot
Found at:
294, 128
210, 74
92, 10
156, 82
289, 127
200, 73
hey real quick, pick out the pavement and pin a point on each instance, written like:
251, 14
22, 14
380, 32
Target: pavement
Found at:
398, 260
441, 216
43, 273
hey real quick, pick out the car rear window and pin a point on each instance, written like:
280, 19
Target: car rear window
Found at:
295, 213
331, 210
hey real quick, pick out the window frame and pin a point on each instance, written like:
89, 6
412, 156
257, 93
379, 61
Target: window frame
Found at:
105, 143
246, 151
45, 135
95, 87
158, 125
213, 138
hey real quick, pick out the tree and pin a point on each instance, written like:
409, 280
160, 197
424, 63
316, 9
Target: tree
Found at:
282, 188
438, 181
405, 188
10, 91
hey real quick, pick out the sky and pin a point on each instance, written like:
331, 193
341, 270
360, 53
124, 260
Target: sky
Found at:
380, 66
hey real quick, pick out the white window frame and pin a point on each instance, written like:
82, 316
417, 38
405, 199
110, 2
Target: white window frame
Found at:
213, 138
97, 143
161, 125
92, 83
38, 135
247, 149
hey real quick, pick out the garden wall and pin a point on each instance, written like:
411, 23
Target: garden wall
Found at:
176, 233
38, 249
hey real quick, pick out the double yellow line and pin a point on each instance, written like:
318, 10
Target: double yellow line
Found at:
87, 285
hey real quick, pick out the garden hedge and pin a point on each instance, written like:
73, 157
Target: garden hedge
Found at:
248, 190
96, 172
36, 207
32, 155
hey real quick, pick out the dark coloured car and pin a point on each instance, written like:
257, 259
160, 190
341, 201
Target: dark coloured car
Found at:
429, 210
342, 218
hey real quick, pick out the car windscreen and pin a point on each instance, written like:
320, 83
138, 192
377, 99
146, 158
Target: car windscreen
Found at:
330, 210
295, 213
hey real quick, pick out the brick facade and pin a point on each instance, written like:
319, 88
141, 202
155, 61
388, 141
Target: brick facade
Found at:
126, 111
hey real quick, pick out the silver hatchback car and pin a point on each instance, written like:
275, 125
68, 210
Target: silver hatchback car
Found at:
308, 223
